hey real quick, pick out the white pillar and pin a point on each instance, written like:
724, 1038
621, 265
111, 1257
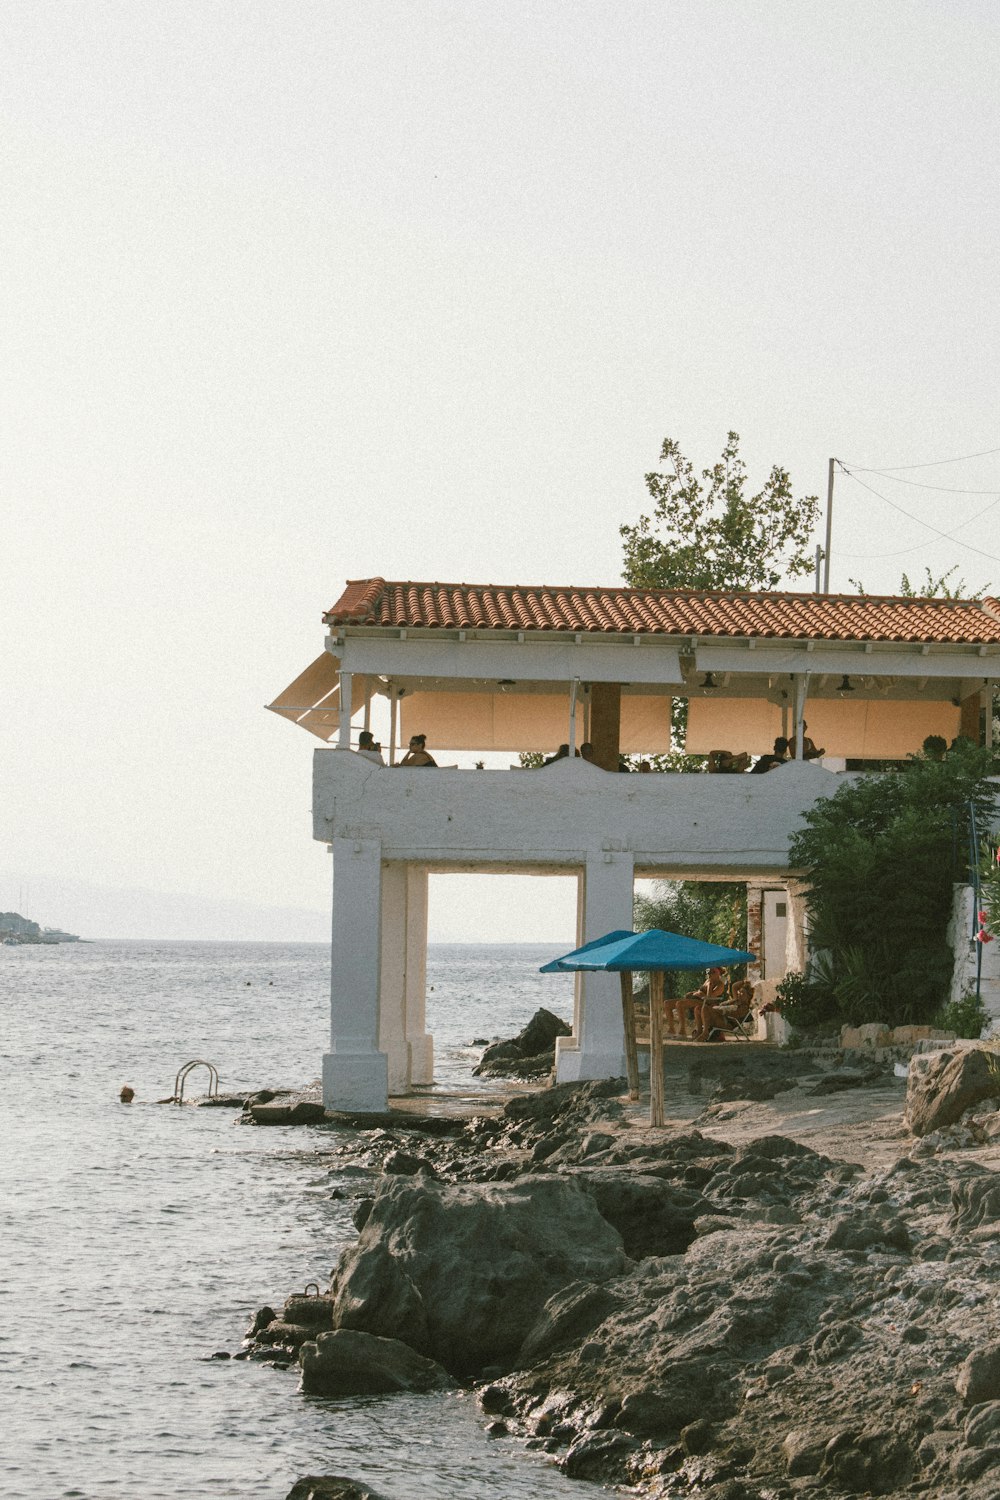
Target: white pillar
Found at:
418, 1040
355, 1072
392, 977
801, 688
574, 688
403, 978
597, 1047
344, 738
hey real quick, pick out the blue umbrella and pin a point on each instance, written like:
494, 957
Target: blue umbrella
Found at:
654, 952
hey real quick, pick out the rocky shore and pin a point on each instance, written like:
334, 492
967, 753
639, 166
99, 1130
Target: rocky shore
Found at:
790, 1290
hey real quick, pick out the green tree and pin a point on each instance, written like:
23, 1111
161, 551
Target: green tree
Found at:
931, 587
714, 911
882, 855
707, 533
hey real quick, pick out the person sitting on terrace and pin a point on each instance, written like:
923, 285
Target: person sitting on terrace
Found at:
691, 1005
716, 1017
768, 762
586, 751
561, 754
809, 751
369, 747
417, 754
724, 761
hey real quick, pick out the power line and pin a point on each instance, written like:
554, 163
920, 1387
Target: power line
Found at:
941, 489
934, 464
948, 536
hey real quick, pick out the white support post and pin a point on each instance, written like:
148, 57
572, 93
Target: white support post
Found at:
801, 687
403, 977
574, 688
392, 722
392, 977
597, 1047
355, 1071
344, 739
418, 1040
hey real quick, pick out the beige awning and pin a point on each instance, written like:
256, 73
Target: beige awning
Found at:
526, 720
313, 699
858, 729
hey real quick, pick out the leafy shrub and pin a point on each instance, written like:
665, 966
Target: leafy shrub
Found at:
806, 1005
882, 856
965, 1017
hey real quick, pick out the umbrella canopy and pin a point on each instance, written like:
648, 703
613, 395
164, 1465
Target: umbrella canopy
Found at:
653, 950
561, 965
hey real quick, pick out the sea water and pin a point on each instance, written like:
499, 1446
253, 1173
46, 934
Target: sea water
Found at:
138, 1240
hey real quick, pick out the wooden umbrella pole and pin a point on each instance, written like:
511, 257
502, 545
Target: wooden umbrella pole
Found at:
656, 1047
631, 1051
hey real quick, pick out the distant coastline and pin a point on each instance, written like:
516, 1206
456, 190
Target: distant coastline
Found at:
15, 930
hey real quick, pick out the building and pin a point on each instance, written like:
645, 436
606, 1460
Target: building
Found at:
504, 669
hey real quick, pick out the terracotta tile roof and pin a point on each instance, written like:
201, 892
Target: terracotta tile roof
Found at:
853, 617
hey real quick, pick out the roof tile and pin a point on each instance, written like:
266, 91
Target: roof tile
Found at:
734, 614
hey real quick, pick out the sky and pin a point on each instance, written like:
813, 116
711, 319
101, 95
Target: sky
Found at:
301, 292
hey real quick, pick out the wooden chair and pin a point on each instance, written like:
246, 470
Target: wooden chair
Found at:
733, 1015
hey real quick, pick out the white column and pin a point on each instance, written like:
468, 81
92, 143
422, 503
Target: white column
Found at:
355, 1072
418, 1040
344, 738
403, 978
801, 686
392, 977
597, 1047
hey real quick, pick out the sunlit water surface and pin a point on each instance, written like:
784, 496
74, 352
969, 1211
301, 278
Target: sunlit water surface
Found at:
139, 1240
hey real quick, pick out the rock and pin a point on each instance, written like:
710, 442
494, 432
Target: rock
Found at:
978, 1378
284, 1335
836, 1083
696, 1437
347, 1362
982, 1426
330, 1487
314, 1312
803, 1450
540, 1033
943, 1085
860, 1231
866, 1038
975, 1204
286, 1109
530, 1053
972, 1464
405, 1164
262, 1317
875, 1463
653, 1217
567, 1317
359, 1217
462, 1272
679, 1398
599, 1454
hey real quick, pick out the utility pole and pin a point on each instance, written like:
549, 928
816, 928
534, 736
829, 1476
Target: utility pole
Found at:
829, 527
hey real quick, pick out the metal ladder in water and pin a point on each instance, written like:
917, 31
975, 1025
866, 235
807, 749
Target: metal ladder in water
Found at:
182, 1077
